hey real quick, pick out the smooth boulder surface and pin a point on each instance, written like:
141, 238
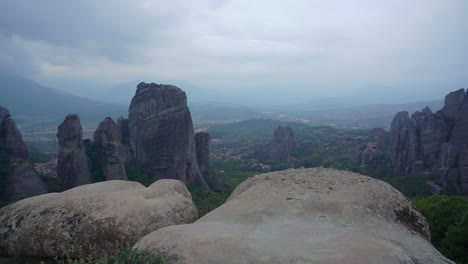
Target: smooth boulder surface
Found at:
302, 216
92, 220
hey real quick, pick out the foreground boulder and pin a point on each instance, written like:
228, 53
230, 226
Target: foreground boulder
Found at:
302, 216
18, 178
92, 220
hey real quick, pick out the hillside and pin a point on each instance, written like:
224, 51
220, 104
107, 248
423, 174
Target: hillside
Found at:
29, 101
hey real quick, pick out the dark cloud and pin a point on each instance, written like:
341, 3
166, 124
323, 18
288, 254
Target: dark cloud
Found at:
313, 45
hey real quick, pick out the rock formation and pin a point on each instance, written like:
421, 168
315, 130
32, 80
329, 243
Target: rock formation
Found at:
302, 216
18, 178
108, 147
72, 165
434, 143
202, 142
279, 149
161, 133
373, 150
92, 220
125, 150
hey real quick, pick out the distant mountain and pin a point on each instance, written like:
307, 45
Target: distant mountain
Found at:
29, 101
123, 93
364, 116
369, 95
222, 112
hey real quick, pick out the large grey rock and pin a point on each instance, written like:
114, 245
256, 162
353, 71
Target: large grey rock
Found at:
126, 151
302, 216
108, 147
18, 178
203, 145
72, 164
92, 220
161, 133
399, 147
378, 138
453, 102
434, 143
280, 147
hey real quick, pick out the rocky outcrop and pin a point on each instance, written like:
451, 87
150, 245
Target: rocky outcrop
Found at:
161, 133
92, 220
203, 146
399, 141
434, 143
108, 147
72, 165
373, 151
126, 151
279, 149
18, 178
302, 216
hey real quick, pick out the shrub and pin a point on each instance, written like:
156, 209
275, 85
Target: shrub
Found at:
448, 222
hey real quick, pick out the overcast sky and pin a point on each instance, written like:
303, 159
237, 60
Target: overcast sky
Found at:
315, 47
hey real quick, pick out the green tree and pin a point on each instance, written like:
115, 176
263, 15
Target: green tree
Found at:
448, 222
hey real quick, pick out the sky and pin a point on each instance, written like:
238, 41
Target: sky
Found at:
286, 49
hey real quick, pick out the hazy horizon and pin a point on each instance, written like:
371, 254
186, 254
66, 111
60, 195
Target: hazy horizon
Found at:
264, 52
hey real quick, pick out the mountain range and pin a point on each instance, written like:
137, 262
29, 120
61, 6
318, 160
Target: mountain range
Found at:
31, 102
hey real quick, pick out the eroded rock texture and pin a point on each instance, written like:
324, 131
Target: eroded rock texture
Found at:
18, 178
203, 145
434, 144
279, 149
126, 151
72, 165
108, 147
161, 133
302, 216
373, 151
92, 220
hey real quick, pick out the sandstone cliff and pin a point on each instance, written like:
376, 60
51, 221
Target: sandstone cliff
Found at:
18, 178
434, 144
279, 149
203, 145
108, 147
72, 165
161, 133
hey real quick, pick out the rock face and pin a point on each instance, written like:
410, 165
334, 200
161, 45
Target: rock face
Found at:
161, 133
434, 143
126, 151
279, 149
72, 165
202, 142
18, 178
378, 138
108, 147
302, 216
96, 219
